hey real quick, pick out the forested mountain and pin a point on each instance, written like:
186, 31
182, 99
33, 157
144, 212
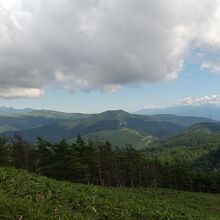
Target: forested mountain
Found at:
12, 123
204, 128
186, 139
118, 126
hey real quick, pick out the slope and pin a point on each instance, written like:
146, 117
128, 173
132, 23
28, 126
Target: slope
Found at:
27, 196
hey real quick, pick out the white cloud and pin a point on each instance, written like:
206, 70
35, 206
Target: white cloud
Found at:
215, 99
186, 101
151, 107
95, 44
20, 93
213, 67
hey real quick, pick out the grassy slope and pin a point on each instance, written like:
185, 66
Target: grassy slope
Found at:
27, 196
122, 137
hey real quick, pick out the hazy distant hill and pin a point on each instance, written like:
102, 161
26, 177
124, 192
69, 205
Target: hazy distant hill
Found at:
12, 111
208, 111
17, 123
56, 114
119, 127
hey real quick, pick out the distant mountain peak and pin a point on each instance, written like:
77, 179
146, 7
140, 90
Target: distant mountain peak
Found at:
7, 111
115, 112
5, 107
205, 110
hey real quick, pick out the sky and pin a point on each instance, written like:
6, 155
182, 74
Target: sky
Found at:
94, 55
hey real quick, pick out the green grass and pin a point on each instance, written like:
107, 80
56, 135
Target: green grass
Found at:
27, 196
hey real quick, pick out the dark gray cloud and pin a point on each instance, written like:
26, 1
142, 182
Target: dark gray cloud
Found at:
95, 44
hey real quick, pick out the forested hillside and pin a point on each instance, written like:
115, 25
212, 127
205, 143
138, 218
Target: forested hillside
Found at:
193, 167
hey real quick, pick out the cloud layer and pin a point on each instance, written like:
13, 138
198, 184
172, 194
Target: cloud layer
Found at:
95, 44
215, 99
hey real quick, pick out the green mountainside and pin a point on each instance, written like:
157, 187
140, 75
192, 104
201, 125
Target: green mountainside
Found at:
122, 137
204, 128
118, 127
200, 150
191, 140
28, 196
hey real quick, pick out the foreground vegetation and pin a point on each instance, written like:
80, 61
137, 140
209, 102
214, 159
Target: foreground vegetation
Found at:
135, 179
28, 196
170, 165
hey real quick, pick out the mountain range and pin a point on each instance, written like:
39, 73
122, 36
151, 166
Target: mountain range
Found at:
119, 127
205, 110
12, 111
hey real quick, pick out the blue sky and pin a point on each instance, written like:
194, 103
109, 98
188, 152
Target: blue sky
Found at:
83, 56
192, 82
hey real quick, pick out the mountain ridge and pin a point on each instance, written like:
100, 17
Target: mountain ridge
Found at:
55, 126
13, 111
206, 110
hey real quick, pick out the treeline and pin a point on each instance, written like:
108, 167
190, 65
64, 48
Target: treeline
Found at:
103, 164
